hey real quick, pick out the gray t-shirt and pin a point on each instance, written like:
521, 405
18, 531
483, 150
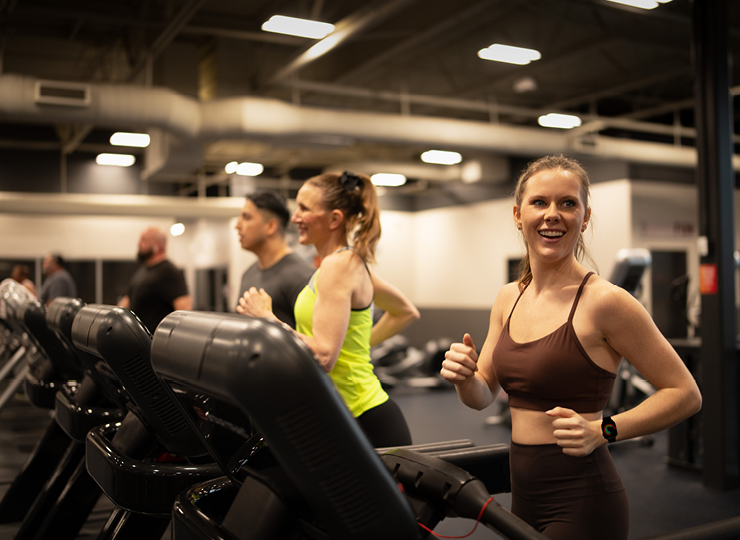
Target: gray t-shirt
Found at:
282, 281
60, 283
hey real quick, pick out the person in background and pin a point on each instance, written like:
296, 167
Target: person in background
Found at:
339, 215
158, 287
58, 282
280, 272
555, 341
21, 273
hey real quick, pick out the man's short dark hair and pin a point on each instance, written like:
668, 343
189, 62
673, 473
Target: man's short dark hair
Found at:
58, 259
272, 202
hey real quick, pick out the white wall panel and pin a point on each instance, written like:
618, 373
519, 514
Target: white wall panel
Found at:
461, 254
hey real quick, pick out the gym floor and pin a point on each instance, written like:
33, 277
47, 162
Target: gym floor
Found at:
662, 498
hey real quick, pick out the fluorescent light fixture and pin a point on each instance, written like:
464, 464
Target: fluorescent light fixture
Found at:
441, 157
509, 54
249, 169
298, 27
119, 160
139, 140
562, 121
388, 179
177, 229
231, 167
642, 4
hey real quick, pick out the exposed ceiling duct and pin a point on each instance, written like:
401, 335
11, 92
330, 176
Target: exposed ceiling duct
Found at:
119, 205
187, 123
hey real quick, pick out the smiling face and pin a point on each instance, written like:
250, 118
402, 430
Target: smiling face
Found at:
552, 214
311, 217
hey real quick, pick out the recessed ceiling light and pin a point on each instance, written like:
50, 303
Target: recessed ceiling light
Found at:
525, 84
297, 27
509, 54
118, 160
177, 229
121, 138
388, 179
441, 157
249, 169
231, 167
556, 120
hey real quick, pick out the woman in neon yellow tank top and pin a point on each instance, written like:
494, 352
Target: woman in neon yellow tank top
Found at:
333, 312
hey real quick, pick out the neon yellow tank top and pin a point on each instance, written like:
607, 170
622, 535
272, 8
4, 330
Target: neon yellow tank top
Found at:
353, 374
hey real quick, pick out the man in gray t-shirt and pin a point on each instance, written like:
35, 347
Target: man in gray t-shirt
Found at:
279, 271
58, 281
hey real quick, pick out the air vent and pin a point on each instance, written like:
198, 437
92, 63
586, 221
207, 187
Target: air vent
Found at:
62, 93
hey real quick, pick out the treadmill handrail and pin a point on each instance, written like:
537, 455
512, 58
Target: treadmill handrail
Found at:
271, 375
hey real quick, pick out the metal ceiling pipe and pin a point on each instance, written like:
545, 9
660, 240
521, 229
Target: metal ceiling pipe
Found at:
262, 117
252, 117
107, 104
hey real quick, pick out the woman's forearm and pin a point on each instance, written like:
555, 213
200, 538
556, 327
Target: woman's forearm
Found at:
389, 325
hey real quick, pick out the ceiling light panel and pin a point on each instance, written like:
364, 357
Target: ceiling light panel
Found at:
121, 138
642, 4
249, 169
557, 120
388, 179
118, 160
509, 54
441, 157
298, 27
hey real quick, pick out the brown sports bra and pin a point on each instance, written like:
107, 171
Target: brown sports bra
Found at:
551, 371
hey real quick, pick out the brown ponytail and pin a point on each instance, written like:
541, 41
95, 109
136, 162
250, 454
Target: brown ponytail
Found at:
355, 195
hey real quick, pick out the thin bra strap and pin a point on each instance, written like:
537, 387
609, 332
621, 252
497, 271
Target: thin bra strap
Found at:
578, 296
312, 281
517, 301
347, 248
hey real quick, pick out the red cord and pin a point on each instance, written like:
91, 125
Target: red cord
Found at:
480, 515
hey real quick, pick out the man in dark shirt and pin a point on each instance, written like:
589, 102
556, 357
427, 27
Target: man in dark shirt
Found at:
279, 271
157, 288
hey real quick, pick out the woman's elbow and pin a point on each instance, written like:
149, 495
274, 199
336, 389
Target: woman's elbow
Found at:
326, 361
410, 316
695, 401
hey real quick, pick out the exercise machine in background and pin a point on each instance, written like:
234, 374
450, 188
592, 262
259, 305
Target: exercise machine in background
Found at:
398, 364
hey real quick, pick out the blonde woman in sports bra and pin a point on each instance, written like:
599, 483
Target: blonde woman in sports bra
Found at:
339, 215
555, 341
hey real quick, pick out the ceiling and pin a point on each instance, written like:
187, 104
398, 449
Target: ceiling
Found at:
399, 77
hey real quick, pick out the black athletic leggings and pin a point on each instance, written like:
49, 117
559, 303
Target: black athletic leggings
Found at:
385, 425
566, 497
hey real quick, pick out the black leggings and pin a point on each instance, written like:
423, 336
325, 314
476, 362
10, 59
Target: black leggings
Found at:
385, 425
566, 497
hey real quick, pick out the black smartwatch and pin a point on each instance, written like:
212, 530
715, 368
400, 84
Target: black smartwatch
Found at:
609, 429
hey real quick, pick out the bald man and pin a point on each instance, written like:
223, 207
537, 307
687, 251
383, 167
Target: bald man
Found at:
157, 288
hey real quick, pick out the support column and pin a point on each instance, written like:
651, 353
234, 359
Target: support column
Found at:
716, 183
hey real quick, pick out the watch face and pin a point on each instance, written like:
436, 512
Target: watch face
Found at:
609, 429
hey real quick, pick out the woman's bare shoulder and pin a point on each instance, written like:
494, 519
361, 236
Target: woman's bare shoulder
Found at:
343, 267
506, 298
608, 300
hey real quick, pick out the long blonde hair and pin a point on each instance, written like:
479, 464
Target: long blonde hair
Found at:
550, 163
355, 195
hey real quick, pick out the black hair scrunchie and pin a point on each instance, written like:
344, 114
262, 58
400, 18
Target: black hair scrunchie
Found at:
349, 180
